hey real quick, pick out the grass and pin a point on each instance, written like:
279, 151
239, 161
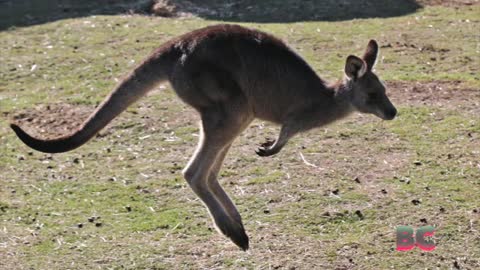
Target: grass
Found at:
298, 216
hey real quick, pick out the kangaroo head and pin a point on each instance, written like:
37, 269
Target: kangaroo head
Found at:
366, 91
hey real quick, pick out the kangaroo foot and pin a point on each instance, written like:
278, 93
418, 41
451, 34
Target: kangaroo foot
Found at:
233, 230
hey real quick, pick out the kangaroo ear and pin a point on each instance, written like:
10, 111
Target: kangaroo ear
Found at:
371, 53
355, 67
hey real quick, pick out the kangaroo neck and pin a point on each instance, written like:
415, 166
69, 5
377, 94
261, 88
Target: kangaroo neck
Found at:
341, 99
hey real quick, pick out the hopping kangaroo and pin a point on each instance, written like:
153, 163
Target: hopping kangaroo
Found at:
232, 75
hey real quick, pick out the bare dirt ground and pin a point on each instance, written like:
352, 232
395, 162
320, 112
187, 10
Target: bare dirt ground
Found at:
446, 94
54, 119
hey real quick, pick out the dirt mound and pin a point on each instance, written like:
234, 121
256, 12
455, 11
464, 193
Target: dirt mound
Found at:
53, 120
443, 94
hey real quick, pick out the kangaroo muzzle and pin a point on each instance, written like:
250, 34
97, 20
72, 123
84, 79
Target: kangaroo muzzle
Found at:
390, 114
386, 114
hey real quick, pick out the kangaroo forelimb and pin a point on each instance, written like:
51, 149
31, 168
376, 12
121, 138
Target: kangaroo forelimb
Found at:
272, 147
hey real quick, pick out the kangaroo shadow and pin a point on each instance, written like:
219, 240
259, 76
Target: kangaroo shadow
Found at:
20, 13
284, 11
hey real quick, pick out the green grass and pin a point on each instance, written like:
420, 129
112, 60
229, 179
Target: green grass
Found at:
150, 219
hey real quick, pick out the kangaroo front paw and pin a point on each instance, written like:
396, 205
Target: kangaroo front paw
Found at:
265, 149
263, 152
268, 142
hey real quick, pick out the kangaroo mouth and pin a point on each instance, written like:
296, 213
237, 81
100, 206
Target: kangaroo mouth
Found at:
386, 115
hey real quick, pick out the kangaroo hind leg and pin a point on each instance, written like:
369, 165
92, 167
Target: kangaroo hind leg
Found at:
215, 185
221, 124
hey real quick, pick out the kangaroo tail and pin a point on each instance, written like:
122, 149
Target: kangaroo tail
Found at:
143, 78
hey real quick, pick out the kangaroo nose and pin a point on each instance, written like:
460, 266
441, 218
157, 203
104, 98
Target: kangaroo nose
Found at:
390, 114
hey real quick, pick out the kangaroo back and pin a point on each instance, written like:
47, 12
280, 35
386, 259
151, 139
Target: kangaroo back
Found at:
143, 78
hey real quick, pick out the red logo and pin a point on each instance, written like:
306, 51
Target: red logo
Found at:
406, 239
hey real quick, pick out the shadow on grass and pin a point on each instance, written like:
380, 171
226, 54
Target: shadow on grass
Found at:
274, 11
20, 13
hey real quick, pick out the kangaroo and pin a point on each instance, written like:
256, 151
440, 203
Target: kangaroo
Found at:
231, 75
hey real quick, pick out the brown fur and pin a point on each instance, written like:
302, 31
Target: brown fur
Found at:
232, 75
